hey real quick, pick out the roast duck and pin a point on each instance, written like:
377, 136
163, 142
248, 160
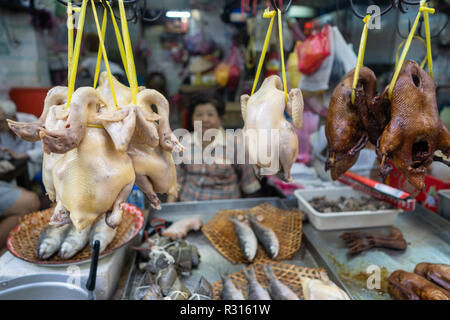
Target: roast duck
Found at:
429, 281
405, 129
271, 142
89, 165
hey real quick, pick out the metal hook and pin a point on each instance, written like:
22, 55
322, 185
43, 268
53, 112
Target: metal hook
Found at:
284, 10
419, 27
352, 6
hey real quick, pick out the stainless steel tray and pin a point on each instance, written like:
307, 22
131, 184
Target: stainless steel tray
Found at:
428, 237
212, 262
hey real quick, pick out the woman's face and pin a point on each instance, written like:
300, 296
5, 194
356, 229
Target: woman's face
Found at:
207, 114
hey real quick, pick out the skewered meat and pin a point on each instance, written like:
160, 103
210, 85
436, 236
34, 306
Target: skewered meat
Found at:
262, 113
345, 132
437, 273
404, 285
358, 241
415, 130
92, 177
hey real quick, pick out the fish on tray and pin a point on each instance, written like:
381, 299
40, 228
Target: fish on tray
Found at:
278, 290
102, 232
266, 237
50, 241
74, 242
247, 239
229, 291
255, 290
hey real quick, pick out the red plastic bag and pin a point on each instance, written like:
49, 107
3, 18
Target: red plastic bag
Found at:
313, 51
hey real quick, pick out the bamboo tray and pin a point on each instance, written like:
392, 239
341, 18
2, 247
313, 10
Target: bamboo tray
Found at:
287, 225
23, 239
288, 274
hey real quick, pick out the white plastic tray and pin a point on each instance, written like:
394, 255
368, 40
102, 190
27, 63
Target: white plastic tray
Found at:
342, 220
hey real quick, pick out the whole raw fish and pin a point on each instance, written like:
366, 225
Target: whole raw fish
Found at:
74, 242
278, 290
255, 290
247, 239
50, 241
266, 237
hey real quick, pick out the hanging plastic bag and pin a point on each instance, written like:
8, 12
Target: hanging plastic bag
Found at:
292, 65
313, 51
228, 71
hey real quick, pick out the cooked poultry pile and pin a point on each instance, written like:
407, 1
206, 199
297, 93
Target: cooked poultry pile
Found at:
407, 129
358, 241
270, 140
428, 282
94, 153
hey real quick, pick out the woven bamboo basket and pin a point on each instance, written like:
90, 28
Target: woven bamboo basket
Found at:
22, 241
287, 225
288, 274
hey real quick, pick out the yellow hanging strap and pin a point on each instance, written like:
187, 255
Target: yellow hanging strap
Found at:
283, 67
73, 71
422, 64
423, 8
271, 15
361, 51
105, 57
129, 52
99, 55
119, 41
426, 11
69, 39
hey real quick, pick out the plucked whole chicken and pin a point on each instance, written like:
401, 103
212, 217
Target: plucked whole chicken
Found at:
93, 176
151, 144
270, 140
415, 130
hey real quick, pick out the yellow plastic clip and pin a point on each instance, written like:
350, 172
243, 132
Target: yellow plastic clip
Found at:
129, 52
361, 51
283, 67
99, 55
271, 15
73, 72
426, 11
423, 8
119, 42
105, 57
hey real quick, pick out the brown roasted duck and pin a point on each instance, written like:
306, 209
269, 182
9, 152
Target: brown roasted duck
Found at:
415, 130
358, 241
434, 272
404, 285
270, 140
345, 127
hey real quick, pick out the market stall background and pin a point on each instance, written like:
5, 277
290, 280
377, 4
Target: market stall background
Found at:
187, 47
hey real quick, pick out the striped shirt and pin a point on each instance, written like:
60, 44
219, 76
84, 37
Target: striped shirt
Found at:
218, 180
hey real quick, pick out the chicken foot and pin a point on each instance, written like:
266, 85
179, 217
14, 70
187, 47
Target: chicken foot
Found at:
143, 182
114, 217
